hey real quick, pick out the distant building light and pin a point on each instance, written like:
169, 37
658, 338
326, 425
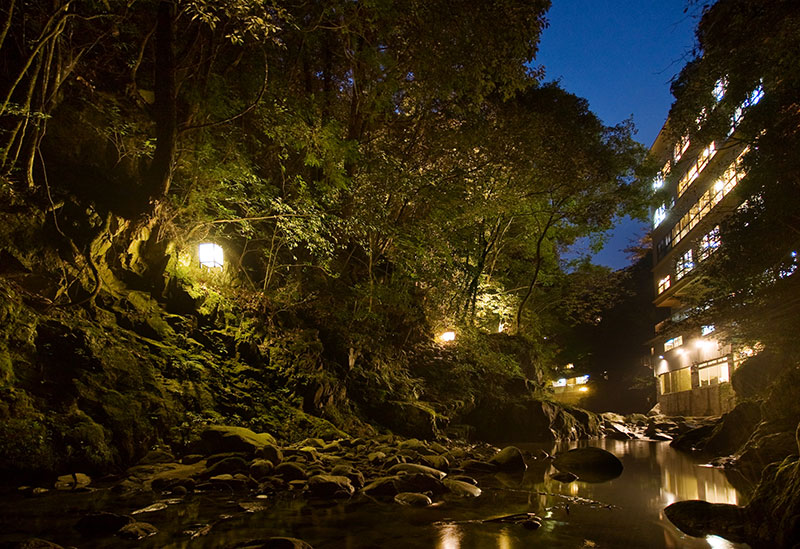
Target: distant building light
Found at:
672, 343
210, 255
719, 89
569, 366
583, 389
447, 336
560, 382
500, 327
707, 329
582, 380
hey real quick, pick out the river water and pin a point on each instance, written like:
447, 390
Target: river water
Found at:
626, 512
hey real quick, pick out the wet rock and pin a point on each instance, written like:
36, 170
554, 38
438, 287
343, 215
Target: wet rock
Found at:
75, 481
694, 439
509, 459
101, 524
215, 439
540, 454
232, 482
700, 519
590, 464
229, 465
330, 486
763, 449
418, 469
290, 471
150, 508
564, 477
477, 466
413, 499
461, 489
157, 456
137, 531
413, 444
376, 457
532, 524
261, 468
734, 429
417, 482
383, 486
436, 461
191, 459
617, 431
464, 478
438, 448
356, 477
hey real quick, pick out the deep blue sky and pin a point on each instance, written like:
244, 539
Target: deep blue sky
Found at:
620, 55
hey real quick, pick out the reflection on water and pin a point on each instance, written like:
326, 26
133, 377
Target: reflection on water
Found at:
624, 512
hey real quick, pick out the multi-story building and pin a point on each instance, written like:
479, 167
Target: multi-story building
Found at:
691, 363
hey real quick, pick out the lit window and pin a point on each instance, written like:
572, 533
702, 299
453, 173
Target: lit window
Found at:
582, 380
719, 89
659, 215
673, 343
755, 96
707, 329
713, 372
752, 99
730, 178
710, 242
680, 148
684, 265
658, 181
560, 382
676, 381
694, 170
210, 255
663, 284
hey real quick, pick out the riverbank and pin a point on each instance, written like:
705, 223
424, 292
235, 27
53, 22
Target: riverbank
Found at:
227, 513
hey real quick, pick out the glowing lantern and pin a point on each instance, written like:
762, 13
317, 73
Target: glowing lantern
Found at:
447, 336
210, 255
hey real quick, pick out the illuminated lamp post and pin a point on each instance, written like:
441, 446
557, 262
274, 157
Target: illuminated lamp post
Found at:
210, 255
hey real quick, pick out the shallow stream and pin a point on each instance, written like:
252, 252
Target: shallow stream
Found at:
626, 512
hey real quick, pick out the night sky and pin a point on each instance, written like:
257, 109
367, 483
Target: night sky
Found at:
621, 56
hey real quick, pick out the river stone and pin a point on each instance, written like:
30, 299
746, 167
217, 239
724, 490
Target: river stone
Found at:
413, 444
564, 477
438, 448
590, 464
74, 481
290, 471
478, 466
617, 431
437, 462
156, 456
509, 459
228, 465
701, 518
415, 468
461, 489
464, 478
137, 530
330, 486
413, 499
260, 468
356, 477
216, 439
383, 486
418, 482
101, 524
271, 452
376, 457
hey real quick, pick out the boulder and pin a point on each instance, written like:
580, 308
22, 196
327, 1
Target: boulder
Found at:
290, 471
417, 482
75, 481
700, 519
564, 477
734, 429
137, 531
274, 543
36, 543
413, 499
228, 465
509, 459
461, 489
215, 439
270, 452
356, 477
589, 464
419, 469
260, 468
478, 466
383, 486
436, 461
330, 486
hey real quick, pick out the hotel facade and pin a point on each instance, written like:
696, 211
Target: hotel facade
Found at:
691, 363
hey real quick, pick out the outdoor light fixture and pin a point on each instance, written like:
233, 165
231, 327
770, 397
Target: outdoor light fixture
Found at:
210, 255
447, 336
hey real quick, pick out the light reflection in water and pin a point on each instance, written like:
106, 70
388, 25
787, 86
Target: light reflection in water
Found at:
449, 537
